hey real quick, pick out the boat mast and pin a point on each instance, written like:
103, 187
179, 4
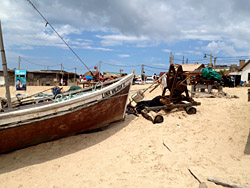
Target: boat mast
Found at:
5, 71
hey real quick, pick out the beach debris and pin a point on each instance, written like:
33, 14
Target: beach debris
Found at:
226, 184
154, 118
201, 184
166, 146
3, 103
131, 110
220, 94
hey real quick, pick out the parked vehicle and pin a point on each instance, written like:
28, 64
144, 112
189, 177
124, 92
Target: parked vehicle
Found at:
138, 81
149, 80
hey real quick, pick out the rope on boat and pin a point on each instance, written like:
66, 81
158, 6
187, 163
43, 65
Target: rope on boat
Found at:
95, 87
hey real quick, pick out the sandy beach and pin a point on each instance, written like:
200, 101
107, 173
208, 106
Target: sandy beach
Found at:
214, 142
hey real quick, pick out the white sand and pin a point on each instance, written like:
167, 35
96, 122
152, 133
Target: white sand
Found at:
131, 153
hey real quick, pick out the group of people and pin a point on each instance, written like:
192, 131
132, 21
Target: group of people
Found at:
227, 81
144, 77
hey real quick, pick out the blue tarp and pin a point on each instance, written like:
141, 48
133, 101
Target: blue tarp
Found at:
88, 77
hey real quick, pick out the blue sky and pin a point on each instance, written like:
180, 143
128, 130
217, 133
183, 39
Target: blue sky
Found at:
124, 34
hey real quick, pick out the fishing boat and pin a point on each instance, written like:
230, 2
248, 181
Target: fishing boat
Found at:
73, 113
24, 123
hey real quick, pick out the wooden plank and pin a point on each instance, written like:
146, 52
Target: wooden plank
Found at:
172, 106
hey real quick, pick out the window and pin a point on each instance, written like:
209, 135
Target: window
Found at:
248, 76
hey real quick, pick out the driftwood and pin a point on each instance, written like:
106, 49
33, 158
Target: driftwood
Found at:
226, 184
166, 146
202, 184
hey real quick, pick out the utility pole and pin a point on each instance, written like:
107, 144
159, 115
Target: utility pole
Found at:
61, 72
121, 70
183, 60
215, 61
170, 58
211, 59
142, 69
68, 79
75, 77
99, 69
5, 69
19, 60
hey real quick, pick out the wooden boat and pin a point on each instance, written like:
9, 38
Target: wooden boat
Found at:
44, 122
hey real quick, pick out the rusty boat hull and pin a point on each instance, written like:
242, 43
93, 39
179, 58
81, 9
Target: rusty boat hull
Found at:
24, 128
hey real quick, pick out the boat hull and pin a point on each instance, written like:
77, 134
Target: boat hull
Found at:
94, 115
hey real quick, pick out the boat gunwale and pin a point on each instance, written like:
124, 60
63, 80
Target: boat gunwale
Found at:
52, 106
49, 116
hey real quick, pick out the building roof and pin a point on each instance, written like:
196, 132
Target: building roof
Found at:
234, 73
192, 67
245, 65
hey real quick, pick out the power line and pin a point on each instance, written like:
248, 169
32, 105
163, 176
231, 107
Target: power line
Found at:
31, 62
121, 65
148, 70
235, 57
47, 23
154, 67
38, 63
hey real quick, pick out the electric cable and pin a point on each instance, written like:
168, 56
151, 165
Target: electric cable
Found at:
47, 23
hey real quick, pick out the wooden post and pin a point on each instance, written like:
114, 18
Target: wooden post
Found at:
68, 79
5, 70
99, 70
75, 77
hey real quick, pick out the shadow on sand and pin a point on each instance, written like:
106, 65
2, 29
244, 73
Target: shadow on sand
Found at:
59, 148
247, 148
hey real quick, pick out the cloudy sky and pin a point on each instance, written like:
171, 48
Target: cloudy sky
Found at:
124, 34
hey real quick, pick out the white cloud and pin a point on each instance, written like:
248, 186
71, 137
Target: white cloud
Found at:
123, 55
218, 47
115, 40
137, 22
166, 50
177, 53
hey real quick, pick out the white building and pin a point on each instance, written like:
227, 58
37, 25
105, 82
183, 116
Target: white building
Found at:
245, 72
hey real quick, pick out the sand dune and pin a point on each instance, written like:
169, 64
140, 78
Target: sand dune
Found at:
212, 143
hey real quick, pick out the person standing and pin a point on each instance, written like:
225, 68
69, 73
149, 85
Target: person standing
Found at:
154, 77
61, 82
143, 77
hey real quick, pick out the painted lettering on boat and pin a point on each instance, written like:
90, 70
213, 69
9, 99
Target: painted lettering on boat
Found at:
113, 91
